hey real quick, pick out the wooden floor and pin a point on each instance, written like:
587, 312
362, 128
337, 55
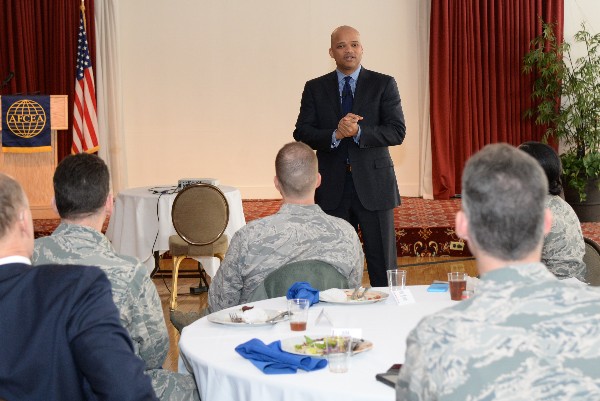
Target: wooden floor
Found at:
420, 271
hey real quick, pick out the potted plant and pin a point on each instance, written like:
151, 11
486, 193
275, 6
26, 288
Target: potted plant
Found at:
567, 96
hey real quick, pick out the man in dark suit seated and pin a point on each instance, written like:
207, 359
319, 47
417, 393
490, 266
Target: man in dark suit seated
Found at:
60, 333
350, 117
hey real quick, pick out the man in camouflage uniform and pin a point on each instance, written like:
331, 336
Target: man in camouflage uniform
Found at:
525, 335
83, 200
299, 231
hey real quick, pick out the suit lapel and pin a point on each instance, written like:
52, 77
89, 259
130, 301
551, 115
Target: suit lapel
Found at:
332, 90
361, 93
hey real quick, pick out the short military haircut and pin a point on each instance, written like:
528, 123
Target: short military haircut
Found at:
503, 196
549, 161
81, 185
12, 201
296, 169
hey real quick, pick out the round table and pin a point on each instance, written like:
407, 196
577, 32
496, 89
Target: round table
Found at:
222, 374
141, 222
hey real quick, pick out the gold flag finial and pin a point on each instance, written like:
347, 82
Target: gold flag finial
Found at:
82, 7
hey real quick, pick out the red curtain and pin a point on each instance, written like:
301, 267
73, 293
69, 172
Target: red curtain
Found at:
39, 44
478, 92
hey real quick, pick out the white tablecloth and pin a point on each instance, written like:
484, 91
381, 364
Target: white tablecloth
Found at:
137, 228
222, 374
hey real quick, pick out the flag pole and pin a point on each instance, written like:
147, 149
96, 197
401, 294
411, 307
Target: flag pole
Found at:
82, 8
85, 114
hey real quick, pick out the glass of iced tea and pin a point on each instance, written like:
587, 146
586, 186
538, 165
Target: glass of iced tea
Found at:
458, 284
298, 310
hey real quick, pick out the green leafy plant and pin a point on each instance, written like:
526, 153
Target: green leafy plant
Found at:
567, 96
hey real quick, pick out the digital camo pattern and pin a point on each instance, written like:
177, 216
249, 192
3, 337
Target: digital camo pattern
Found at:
134, 293
294, 233
563, 246
524, 336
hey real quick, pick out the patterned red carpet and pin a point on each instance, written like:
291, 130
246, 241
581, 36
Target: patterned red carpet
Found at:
423, 227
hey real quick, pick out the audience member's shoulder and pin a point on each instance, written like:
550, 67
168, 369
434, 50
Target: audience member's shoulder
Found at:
257, 223
339, 222
443, 321
573, 286
555, 201
130, 261
43, 241
131, 269
62, 273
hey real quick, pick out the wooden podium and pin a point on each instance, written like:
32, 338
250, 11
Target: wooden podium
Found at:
34, 171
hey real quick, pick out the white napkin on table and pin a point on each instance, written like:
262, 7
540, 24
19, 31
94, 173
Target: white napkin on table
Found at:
255, 315
333, 295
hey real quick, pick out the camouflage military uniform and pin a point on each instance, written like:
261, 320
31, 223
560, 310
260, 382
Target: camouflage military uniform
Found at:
563, 246
296, 232
134, 294
524, 336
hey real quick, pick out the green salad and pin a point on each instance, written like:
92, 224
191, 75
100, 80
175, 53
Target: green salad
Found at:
314, 346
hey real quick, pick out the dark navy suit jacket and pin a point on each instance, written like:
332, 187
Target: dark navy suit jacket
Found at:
376, 98
61, 339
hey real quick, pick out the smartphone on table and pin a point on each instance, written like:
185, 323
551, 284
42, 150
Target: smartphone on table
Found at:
391, 376
438, 287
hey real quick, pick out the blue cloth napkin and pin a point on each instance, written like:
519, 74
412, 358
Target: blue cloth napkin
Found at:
302, 289
272, 360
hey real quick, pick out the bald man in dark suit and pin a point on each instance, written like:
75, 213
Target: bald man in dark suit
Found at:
350, 117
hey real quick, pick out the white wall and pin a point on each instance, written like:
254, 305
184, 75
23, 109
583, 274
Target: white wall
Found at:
212, 87
576, 12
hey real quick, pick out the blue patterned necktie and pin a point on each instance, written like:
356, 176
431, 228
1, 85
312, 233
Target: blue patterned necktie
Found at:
347, 98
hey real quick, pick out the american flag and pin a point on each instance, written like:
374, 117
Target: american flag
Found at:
85, 121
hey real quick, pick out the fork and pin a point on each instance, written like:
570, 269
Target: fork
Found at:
361, 296
235, 318
355, 292
277, 317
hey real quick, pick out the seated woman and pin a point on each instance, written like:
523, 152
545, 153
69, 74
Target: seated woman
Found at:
563, 246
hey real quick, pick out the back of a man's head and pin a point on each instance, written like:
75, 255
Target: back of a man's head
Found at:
296, 168
503, 196
12, 201
81, 185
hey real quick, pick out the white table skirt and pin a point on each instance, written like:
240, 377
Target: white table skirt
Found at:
137, 229
222, 374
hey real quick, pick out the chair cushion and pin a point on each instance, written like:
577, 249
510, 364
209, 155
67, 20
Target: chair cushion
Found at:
178, 247
182, 319
592, 262
321, 275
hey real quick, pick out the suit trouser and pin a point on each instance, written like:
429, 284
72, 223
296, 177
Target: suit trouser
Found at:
378, 232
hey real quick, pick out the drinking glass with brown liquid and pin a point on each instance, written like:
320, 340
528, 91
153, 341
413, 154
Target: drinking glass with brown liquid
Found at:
298, 310
458, 283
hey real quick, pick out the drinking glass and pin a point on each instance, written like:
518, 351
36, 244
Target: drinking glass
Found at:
338, 350
396, 279
298, 310
458, 284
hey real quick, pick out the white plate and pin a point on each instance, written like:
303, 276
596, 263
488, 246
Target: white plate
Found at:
371, 297
289, 345
222, 317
